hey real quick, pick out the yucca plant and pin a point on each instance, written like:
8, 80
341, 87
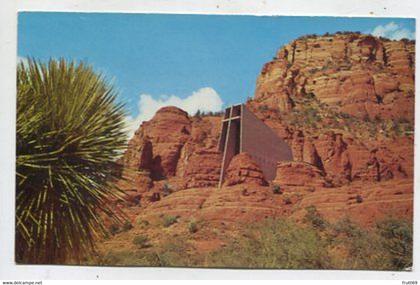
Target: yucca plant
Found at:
69, 132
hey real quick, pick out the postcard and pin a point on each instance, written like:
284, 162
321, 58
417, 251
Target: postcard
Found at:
215, 141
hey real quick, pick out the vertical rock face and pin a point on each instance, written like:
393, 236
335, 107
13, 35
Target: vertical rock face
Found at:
173, 144
359, 74
311, 156
168, 131
346, 77
293, 173
139, 155
200, 161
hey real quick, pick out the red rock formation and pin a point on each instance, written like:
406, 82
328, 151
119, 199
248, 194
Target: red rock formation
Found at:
295, 173
359, 74
243, 169
168, 131
174, 145
139, 156
345, 159
202, 168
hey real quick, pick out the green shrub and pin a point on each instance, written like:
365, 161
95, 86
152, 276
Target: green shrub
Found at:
114, 229
374, 248
177, 252
192, 227
277, 189
314, 218
263, 108
198, 114
310, 95
169, 221
142, 222
126, 226
287, 201
274, 244
166, 189
141, 241
281, 243
343, 245
397, 238
129, 258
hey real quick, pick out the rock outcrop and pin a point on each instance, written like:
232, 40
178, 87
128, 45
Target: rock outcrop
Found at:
359, 74
338, 101
345, 105
294, 173
168, 131
243, 169
174, 145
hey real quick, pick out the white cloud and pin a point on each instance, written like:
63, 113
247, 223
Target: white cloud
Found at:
393, 31
205, 99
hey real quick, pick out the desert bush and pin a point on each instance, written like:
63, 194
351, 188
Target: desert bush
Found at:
166, 189
169, 221
114, 229
198, 114
141, 241
283, 243
361, 250
311, 115
277, 189
388, 246
359, 198
178, 252
126, 226
69, 133
310, 96
263, 108
192, 226
142, 222
397, 240
287, 201
129, 258
274, 244
314, 218
342, 245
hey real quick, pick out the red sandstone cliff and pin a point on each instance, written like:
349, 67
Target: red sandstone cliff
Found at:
358, 74
344, 102
173, 147
345, 105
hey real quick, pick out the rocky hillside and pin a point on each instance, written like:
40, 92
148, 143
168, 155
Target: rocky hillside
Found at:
345, 105
360, 75
344, 102
173, 147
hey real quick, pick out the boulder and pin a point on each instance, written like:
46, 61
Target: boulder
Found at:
243, 169
298, 173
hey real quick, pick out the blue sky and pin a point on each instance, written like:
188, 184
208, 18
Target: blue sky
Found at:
162, 55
